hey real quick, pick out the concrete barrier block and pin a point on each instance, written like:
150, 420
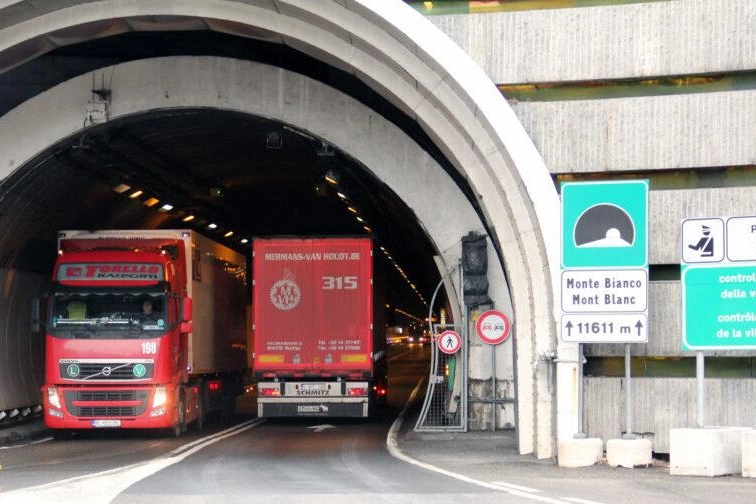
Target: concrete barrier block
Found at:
707, 451
748, 449
579, 452
629, 453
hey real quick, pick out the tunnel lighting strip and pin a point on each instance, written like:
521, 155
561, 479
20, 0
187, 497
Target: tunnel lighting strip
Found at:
333, 179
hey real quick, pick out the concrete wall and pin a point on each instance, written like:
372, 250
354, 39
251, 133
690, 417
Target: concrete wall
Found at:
608, 42
661, 404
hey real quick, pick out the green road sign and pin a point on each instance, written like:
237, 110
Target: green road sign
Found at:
719, 307
605, 224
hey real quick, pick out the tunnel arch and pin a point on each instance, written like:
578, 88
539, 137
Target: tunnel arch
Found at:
416, 68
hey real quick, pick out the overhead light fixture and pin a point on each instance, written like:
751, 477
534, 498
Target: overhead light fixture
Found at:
150, 202
136, 194
332, 177
352, 209
341, 195
228, 234
167, 207
324, 149
367, 228
121, 188
274, 140
360, 219
212, 225
244, 241
188, 218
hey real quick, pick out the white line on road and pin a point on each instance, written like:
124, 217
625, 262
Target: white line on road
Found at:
516, 487
581, 501
393, 449
103, 487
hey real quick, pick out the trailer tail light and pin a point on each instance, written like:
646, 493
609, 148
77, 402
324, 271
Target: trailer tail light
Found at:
379, 390
357, 391
269, 392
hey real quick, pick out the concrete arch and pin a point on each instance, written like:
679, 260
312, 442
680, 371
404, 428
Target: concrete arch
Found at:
416, 68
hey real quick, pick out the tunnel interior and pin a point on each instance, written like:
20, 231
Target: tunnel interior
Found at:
230, 175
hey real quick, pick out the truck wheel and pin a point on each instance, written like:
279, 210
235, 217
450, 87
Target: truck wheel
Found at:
200, 423
180, 426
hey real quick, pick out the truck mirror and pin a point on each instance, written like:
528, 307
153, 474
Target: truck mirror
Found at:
186, 310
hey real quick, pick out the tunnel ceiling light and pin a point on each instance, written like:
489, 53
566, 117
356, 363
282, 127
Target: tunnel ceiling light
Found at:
244, 241
167, 207
121, 188
352, 209
188, 218
212, 225
341, 195
368, 229
360, 219
332, 177
229, 234
136, 194
150, 202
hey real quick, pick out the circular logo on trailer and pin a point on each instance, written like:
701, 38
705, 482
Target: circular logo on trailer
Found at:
73, 370
449, 342
492, 327
139, 370
285, 294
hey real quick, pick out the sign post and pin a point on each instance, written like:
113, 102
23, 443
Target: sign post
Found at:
493, 328
605, 270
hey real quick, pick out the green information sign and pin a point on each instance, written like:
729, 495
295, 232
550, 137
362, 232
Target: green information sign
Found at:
719, 307
605, 224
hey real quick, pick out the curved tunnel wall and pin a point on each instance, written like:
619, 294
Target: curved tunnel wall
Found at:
414, 66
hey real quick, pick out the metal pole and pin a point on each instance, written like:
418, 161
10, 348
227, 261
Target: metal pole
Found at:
628, 403
700, 375
493, 390
581, 432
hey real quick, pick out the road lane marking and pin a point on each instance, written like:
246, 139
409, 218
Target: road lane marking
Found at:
103, 487
581, 501
516, 487
392, 446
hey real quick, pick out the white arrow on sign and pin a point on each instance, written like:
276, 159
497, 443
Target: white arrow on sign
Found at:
321, 428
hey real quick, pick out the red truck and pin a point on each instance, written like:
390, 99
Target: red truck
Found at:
319, 342
110, 364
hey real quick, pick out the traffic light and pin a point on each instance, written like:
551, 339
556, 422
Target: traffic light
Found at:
474, 268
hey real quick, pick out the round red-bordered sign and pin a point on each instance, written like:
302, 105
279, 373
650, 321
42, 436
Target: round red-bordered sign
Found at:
493, 327
449, 342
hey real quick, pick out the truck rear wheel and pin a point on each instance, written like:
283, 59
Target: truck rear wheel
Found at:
200, 422
180, 426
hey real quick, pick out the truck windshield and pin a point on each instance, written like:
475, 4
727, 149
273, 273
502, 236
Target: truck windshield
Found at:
108, 314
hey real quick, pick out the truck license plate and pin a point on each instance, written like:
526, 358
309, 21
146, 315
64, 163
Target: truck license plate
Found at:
106, 423
313, 386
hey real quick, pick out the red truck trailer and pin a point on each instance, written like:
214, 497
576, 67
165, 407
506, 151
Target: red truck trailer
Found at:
108, 364
319, 344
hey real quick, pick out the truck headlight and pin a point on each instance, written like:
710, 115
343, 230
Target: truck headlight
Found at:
52, 397
160, 397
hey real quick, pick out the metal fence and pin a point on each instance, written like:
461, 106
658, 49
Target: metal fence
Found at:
445, 405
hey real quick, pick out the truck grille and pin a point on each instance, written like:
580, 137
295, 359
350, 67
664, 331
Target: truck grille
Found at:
106, 370
74, 400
